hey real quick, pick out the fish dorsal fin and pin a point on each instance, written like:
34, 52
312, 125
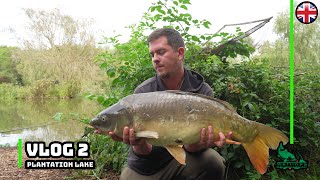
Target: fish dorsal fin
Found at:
224, 103
147, 134
177, 152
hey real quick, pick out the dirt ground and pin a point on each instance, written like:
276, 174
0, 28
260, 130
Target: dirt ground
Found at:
9, 169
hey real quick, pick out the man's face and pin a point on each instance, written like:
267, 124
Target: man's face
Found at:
166, 61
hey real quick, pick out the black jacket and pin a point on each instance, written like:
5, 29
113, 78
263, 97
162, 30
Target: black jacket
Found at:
160, 157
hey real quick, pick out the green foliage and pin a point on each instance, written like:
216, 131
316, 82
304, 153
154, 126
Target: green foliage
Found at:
306, 43
307, 110
10, 92
7, 92
261, 93
256, 89
306, 83
174, 14
68, 89
57, 116
8, 72
49, 89
129, 64
108, 154
56, 63
40, 88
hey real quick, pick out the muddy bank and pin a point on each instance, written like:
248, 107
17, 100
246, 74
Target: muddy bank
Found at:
9, 168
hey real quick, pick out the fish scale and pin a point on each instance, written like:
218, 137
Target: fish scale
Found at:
174, 118
162, 106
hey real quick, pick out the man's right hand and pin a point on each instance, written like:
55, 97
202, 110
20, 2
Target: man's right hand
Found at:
139, 146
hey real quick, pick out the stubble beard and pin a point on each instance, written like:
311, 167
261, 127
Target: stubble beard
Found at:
164, 75
168, 74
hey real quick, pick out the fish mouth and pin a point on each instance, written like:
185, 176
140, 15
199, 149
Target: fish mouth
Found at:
94, 122
97, 127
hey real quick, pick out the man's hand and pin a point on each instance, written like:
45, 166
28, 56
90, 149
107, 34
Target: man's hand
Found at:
139, 146
207, 140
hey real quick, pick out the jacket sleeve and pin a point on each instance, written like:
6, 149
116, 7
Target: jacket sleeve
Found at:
206, 90
137, 90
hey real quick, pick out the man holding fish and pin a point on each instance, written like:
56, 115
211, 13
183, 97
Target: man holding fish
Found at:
172, 121
145, 161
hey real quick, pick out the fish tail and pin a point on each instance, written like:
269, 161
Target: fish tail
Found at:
258, 149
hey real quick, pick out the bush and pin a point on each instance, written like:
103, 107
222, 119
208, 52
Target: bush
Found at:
69, 89
41, 88
8, 71
255, 89
260, 92
108, 154
8, 92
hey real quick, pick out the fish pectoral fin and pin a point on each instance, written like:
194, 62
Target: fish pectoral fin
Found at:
229, 141
178, 153
147, 134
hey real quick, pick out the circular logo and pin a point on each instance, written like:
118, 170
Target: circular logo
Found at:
306, 12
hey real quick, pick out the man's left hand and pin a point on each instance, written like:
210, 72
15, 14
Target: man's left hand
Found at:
207, 140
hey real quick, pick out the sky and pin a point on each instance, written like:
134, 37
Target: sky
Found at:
112, 16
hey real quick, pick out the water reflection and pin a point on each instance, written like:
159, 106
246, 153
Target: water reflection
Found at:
32, 121
26, 135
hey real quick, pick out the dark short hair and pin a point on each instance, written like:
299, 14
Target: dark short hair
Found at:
173, 37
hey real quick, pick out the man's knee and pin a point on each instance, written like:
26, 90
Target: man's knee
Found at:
125, 173
214, 162
211, 156
128, 173
209, 164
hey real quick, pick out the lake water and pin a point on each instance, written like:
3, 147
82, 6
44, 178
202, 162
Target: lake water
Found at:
33, 121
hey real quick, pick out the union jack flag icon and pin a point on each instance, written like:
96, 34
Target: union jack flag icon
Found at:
306, 12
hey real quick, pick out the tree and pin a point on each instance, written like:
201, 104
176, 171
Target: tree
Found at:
8, 72
49, 29
306, 43
256, 90
60, 49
